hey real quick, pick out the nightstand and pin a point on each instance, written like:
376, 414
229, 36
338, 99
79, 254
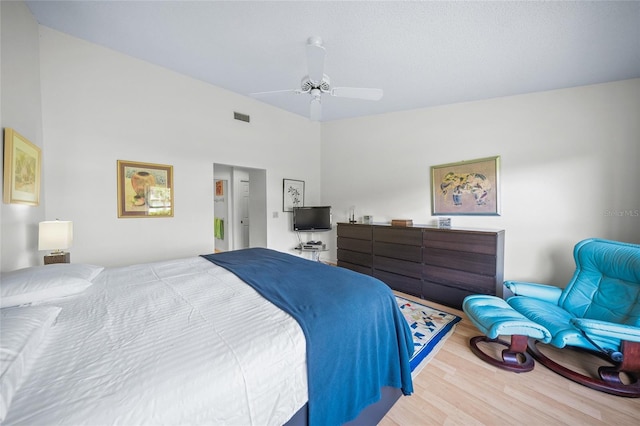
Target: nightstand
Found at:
57, 258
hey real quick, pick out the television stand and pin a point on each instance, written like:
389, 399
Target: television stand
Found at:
315, 250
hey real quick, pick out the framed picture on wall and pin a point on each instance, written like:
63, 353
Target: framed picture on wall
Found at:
145, 189
466, 188
22, 165
292, 194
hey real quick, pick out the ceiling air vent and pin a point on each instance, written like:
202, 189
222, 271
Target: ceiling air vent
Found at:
241, 117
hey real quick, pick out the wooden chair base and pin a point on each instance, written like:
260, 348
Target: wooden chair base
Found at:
610, 381
515, 358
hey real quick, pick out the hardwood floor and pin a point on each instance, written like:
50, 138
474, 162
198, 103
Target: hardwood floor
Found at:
457, 388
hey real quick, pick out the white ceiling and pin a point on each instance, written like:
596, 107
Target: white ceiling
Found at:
421, 54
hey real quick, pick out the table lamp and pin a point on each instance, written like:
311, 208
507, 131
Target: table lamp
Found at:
55, 235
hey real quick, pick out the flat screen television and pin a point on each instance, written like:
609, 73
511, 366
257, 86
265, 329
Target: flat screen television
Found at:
312, 218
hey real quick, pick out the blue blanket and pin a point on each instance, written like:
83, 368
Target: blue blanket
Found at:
357, 339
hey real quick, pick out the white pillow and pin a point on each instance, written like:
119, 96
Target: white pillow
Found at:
23, 329
41, 283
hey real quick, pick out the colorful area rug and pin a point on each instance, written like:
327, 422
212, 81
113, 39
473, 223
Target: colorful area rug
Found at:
429, 326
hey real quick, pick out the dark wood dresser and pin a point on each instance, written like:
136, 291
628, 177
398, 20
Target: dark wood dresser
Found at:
443, 265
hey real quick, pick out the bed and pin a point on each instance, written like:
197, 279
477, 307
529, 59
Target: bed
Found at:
250, 337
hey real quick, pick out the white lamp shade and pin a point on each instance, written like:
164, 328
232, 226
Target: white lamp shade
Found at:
55, 235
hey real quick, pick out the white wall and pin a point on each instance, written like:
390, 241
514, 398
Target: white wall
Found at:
569, 167
100, 106
21, 110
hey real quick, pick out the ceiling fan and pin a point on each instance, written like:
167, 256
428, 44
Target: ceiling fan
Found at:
317, 83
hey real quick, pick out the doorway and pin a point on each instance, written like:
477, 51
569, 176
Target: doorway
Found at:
221, 215
244, 214
241, 212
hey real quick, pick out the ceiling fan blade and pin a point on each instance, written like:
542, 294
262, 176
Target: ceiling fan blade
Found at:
272, 92
357, 93
315, 110
315, 58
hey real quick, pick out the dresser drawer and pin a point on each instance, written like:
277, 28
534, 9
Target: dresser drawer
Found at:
355, 257
356, 268
399, 282
396, 266
477, 263
461, 241
450, 296
398, 251
359, 232
461, 279
362, 246
397, 235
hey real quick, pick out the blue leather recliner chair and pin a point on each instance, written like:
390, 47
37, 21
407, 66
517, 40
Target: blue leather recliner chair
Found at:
597, 312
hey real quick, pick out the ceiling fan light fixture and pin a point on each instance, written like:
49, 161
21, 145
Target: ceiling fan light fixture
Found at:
325, 84
308, 84
316, 82
316, 94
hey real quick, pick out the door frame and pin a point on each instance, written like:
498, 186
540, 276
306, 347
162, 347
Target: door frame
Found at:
257, 202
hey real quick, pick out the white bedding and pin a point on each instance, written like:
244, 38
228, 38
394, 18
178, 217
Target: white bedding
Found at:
176, 342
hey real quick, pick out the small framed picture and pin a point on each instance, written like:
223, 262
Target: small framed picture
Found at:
292, 194
144, 189
444, 222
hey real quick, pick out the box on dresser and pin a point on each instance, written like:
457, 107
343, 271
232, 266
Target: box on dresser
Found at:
401, 222
443, 265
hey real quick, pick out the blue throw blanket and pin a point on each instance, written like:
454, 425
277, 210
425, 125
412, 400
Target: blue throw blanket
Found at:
357, 339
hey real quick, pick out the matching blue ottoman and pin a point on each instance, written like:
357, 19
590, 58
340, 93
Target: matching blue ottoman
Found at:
494, 317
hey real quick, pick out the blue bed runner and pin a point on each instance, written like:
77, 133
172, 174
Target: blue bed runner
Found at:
357, 339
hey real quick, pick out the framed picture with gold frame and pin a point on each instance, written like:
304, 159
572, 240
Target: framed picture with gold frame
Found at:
466, 187
144, 189
22, 165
